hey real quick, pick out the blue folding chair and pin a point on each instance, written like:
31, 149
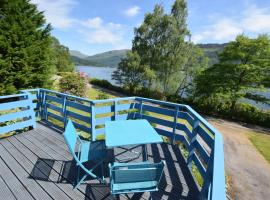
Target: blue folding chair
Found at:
135, 177
87, 151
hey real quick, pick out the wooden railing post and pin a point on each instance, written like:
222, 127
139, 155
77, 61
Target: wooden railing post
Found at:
64, 110
175, 123
115, 111
141, 109
191, 144
93, 126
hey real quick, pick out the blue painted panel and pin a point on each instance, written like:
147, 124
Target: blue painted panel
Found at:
100, 131
184, 128
32, 96
57, 117
82, 127
100, 121
122, 117
15, 104
121, 107
16, 126
78, 116
199, 165
53, 107
218, 180
186, 116
112, 100
54, 99
104, 109
78, 106
205, 156
14, 95
205, 136
16, 115
158, 121
164, 132
69, 96
183, 139
158, 110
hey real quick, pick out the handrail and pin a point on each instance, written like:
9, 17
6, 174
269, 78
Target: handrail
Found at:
98, 112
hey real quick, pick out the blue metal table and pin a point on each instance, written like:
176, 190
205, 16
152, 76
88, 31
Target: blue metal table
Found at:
130, 132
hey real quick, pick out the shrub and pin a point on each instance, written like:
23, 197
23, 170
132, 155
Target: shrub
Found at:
72, 83
103, 95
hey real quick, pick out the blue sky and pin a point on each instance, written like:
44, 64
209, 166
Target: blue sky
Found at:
94, 26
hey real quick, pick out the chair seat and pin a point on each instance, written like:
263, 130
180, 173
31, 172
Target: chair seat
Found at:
92, 151
120, 188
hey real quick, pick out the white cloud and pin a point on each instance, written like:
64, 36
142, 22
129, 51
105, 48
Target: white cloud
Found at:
95, 31
133, 11
251, 20
257, 19
93, 23
57, 12
223, 29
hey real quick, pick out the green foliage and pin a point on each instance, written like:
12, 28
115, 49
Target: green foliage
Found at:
131, 73
103, 95
106, 84
62, 58
73, 83
244, 67
26, 59
163, 58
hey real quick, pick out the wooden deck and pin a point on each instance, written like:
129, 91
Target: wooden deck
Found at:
37, 165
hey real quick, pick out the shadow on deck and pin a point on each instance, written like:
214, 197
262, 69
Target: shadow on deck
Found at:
37, 165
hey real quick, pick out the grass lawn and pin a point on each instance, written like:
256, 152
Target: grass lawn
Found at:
93, 93
262, 143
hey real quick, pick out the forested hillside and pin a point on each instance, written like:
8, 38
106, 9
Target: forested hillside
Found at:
112, 58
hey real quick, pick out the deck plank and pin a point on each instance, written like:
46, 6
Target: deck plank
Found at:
58, 159
17, 188
43, 152
5, 191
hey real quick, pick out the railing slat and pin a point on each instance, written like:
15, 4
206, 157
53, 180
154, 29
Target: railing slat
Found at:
205, 136
16, 126
57, 117
78, 116
54, 99
15, 115
15, 104
78, 106
199, 165
81, 127
53, 107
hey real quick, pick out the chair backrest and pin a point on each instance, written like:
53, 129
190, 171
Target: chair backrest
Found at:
136, 172
71, 136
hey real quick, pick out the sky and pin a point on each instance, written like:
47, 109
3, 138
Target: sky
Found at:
95, 26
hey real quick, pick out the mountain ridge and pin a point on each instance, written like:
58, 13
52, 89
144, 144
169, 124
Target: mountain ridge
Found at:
113, 57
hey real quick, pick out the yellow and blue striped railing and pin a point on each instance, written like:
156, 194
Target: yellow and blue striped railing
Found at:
176, 122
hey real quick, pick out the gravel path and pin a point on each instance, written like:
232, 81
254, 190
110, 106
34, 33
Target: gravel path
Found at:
248, 170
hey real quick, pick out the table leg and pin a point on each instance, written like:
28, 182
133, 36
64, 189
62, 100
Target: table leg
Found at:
145, 154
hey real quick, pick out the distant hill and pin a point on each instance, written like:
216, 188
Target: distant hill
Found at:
112, 58
106, 59
212, 51
77, 54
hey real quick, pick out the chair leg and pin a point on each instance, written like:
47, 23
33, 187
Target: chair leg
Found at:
79, 183
150, 197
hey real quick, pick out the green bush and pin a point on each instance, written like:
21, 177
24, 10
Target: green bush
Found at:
103, 95
106, 84
243, 112
72, 83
